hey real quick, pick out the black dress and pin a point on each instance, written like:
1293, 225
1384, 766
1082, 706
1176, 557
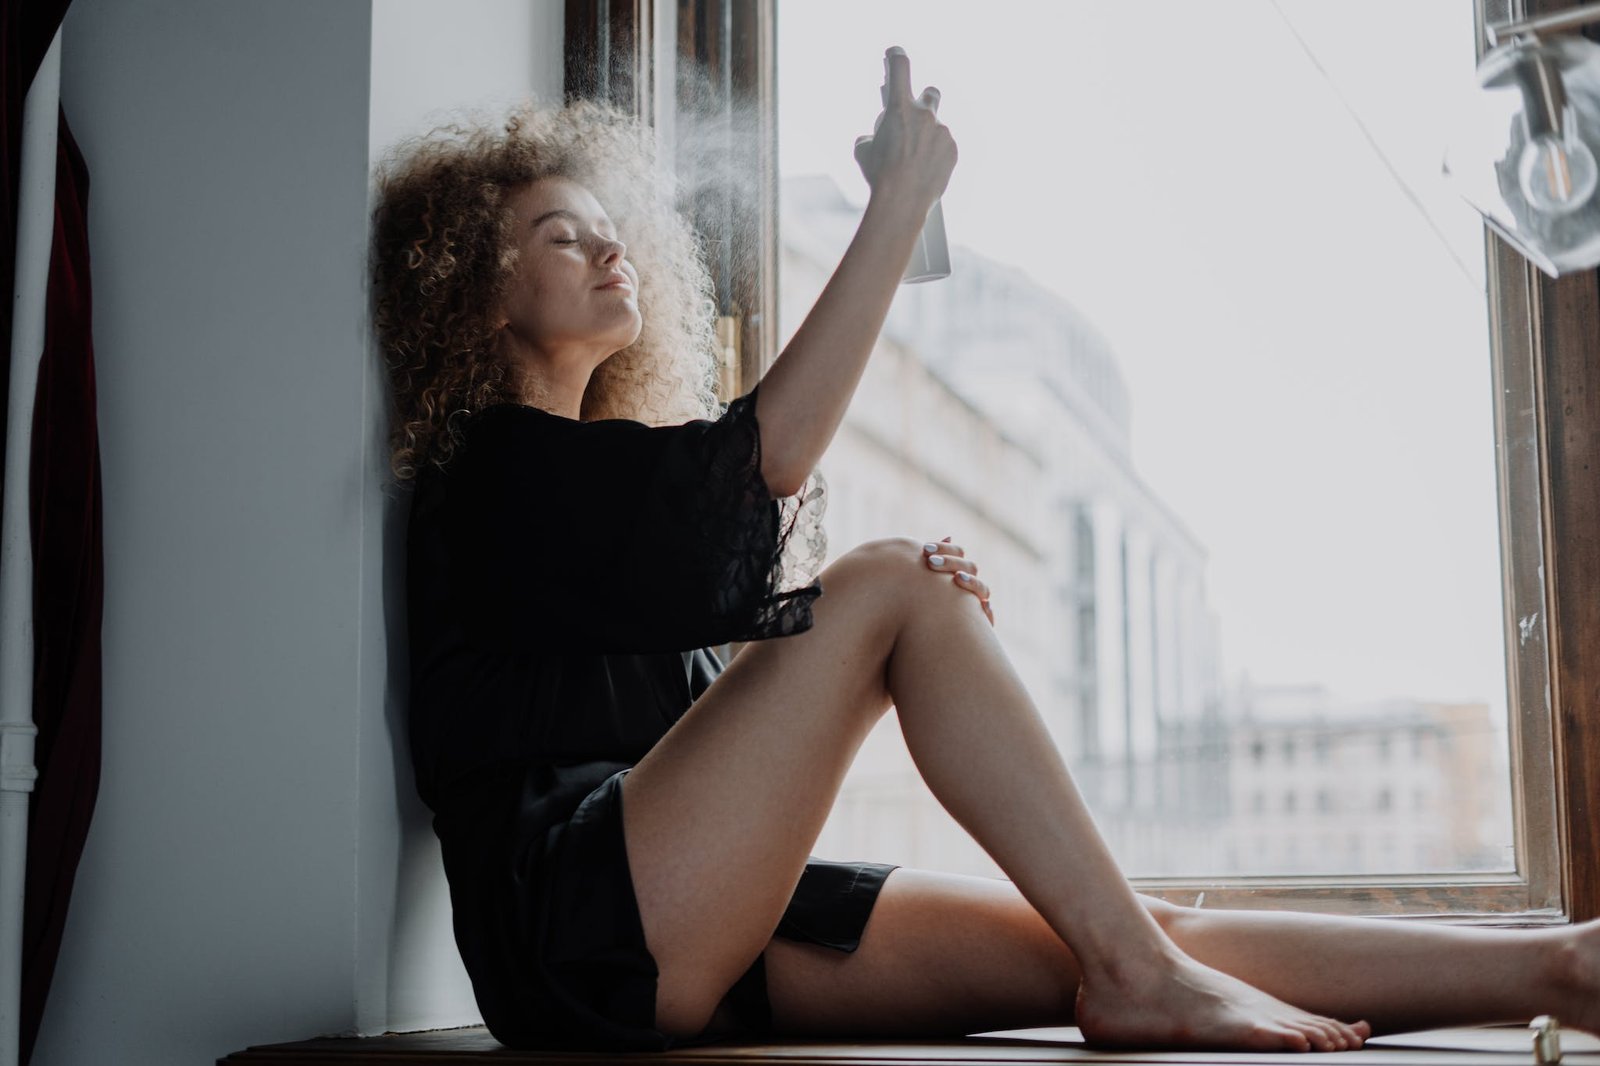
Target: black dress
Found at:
566, 580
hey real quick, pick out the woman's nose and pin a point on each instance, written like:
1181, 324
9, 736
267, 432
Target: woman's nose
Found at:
612, 252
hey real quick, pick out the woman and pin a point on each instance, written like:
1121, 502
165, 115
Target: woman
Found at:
625, 823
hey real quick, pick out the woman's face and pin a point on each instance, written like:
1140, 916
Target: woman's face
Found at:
575, 300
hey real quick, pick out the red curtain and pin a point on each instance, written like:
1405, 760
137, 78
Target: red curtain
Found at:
64, 519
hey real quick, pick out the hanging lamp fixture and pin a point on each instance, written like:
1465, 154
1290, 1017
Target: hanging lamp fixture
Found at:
1526, 158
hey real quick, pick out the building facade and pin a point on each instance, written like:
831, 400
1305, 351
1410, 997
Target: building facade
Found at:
991, 410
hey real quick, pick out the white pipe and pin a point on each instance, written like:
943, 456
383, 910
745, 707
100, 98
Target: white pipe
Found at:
36, 199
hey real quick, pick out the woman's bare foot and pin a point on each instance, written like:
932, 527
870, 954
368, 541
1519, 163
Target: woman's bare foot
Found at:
1576, 978
1183, 1004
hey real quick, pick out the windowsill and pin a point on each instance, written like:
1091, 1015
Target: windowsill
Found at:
1497, 1046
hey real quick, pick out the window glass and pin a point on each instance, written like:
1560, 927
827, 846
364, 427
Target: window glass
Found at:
1211, 379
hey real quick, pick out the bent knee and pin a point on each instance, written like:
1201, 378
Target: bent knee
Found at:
891, 552
901, 561
895, 557
875, 563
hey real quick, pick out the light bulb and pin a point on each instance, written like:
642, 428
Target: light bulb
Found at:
1557, 174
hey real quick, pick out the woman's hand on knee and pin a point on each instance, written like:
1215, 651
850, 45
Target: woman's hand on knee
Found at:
951, 559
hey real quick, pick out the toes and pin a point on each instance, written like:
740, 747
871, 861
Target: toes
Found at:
1324, 1035
1265, 1037
1351, 1037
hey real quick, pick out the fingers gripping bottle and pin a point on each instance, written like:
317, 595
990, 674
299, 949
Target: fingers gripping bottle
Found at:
930, 259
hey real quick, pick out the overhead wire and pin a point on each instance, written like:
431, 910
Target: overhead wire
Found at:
1383, 157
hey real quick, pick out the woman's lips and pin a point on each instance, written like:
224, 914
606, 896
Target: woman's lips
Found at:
616, 283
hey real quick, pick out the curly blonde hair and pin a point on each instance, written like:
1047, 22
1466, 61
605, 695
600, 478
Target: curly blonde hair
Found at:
444, 254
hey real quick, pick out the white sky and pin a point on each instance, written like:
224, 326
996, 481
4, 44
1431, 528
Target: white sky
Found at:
1302, 325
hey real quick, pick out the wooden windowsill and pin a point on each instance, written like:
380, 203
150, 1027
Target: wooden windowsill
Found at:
1496, 1046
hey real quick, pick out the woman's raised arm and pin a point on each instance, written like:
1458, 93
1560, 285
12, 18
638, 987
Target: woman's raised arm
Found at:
806, 391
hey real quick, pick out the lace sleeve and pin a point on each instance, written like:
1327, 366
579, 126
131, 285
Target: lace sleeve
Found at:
805, 545
760, 555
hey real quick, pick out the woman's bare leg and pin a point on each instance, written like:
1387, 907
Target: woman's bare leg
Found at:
979, 742
946, 954
720, 815
1400, 975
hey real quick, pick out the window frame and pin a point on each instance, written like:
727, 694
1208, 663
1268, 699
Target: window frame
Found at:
624, 52
1563, 330
1540, 331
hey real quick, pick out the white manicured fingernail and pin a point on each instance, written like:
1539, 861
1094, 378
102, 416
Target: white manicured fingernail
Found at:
930, 547
936, 560
964, 576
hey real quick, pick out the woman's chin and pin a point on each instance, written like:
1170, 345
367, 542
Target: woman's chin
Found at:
634, 328
622, 340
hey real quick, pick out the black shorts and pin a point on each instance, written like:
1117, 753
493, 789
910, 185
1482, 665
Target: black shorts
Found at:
594, 962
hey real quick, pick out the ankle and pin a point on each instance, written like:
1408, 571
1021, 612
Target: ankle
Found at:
1133, 965
1120, 945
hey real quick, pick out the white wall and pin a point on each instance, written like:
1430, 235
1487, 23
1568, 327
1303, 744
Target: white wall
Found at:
430, 57
257, 869
486, 54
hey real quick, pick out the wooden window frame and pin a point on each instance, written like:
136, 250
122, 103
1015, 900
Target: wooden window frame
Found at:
1542, 331
608, 53
612, 53
1561, 324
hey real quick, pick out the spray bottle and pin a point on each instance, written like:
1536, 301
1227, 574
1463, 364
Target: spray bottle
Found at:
930, 259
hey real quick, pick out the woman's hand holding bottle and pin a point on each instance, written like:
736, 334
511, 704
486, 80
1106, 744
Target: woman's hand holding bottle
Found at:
908, 159
806, 391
